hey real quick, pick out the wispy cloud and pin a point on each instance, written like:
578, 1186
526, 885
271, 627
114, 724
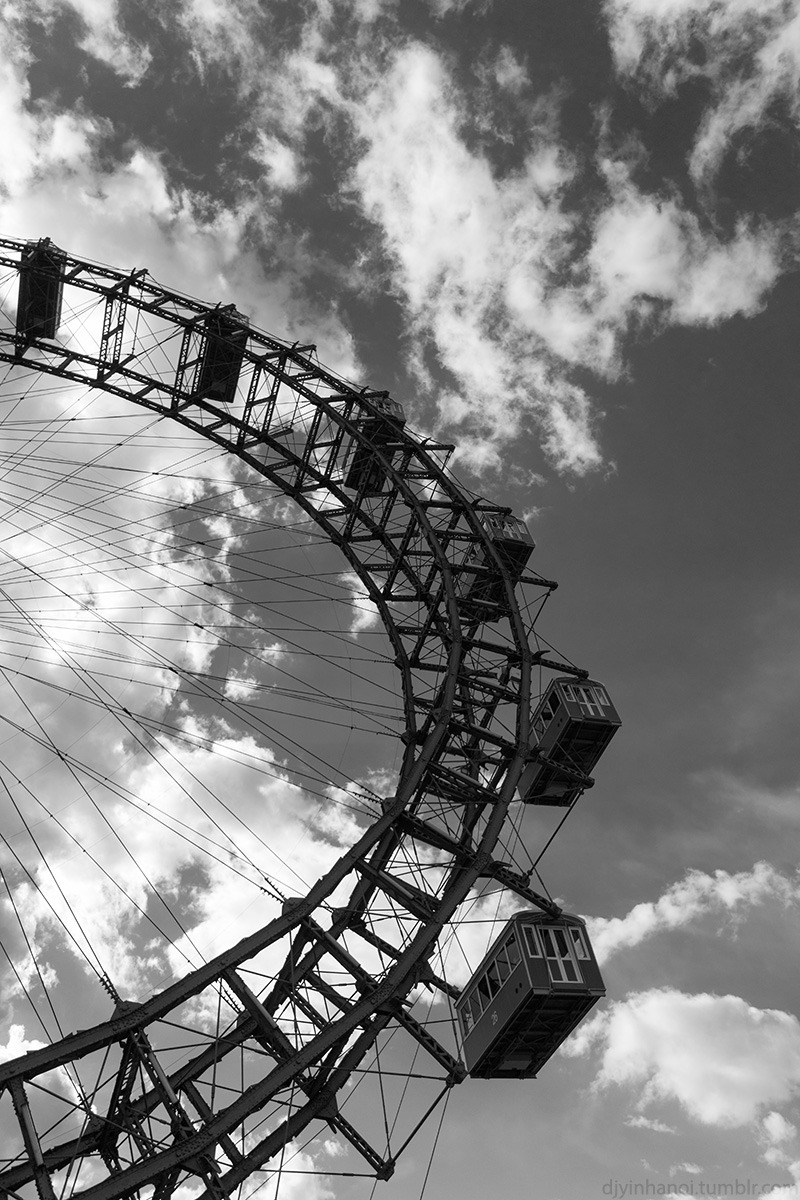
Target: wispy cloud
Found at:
697, 895
471, 257
100, 33
745, 52
642, 1122
516, 284
684, 1168
509, 285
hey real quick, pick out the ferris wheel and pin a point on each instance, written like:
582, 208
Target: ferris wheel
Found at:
282, 746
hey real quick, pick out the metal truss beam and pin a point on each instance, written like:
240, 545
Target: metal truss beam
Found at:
410, 532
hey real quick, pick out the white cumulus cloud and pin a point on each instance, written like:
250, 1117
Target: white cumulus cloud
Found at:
723, 1060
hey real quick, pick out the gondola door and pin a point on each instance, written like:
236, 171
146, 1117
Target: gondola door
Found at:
563, 950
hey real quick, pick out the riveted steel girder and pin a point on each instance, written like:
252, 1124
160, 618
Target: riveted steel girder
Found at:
408, 529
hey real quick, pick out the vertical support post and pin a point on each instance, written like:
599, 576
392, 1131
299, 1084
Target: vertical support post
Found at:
113, 327
30, 1137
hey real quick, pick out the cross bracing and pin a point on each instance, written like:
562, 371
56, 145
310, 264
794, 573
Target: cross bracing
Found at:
165, 1106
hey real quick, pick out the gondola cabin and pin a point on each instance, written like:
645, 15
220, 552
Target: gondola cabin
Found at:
570, 728
537, 982
41, 290
481, 580
224, 344
363, 471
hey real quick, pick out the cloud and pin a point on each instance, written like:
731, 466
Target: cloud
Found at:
507, 286
129, 784
281, 163
466, 251
148, 899
746, 53
642, 1122
684, 1168
777, 1129
723, 1060
774, 1136
280, 70
767, 806
103, 36
100, 32
128, 209
17, 1044
697, 895
365, 611
792, 1191
442, 8
297, 1179
34, 143
651, 260
58, 1079
510, 288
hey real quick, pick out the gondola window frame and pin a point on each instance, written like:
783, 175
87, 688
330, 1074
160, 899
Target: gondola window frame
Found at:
563, 967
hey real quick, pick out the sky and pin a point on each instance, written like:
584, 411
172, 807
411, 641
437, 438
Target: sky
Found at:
564, 235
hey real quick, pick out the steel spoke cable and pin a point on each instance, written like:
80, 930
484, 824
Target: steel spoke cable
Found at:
37, 429
35, 962
200, 738
82, 467
155, 891
241, 489
214, 694
70, 1069
192, 741
203, 559
76, 766
35, 444
163, 335
81, 845
302, 524
239, 819
98, 969
204, 600
146, 809
37, 887
435, 1144
141, 486
116, 883
79, 470
144, 718
210, 743
136, 558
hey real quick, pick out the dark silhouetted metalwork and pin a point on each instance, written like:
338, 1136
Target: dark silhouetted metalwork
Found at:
445, 571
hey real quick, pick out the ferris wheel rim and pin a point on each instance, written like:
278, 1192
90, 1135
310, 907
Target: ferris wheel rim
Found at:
452, 619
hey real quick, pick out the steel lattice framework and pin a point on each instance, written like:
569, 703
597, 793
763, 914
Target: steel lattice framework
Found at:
468, 669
